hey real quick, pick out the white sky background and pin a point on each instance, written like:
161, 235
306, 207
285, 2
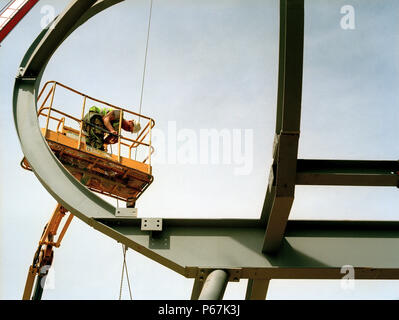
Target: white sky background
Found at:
210, 66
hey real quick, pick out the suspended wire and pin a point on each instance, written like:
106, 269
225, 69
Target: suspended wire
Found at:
124, 248
124, 267
145, 58
123, 272
127, 277
144, 68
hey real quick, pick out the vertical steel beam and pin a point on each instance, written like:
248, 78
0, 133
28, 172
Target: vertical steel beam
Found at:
257, 289
280, 194
214, 286
197, 288
289, 92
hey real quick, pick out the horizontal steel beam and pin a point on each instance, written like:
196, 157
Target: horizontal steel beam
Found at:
310, 249
348, 172
292, 225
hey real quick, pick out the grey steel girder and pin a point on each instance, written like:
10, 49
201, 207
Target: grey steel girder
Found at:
310, 249
50, 172
280, 193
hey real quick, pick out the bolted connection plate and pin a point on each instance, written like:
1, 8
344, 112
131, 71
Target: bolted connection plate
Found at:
126, 212
151, 224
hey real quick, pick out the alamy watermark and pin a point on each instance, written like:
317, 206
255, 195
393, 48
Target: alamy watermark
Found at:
348, 20
348, 280
48, 13
210, 146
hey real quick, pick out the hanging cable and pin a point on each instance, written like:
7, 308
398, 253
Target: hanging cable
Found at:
144, 68
127, 277
124, 267
123, 271
145, 58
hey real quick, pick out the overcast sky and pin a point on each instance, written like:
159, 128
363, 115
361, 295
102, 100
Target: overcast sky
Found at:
211, 65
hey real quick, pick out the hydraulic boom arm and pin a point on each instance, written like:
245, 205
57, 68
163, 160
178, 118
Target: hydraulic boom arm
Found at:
43, 257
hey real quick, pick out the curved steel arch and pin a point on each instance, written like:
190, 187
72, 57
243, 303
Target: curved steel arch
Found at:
50, 172
69, 192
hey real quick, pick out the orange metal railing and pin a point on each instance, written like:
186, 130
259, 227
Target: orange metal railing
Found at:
48, 111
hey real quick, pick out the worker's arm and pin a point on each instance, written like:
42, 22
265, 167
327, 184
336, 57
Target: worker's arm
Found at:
110, 116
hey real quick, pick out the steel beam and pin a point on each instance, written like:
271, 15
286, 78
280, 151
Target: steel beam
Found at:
348, 173
257, 289
310, 249
197, 288
49, 171
281, 189
289, 92
214, 286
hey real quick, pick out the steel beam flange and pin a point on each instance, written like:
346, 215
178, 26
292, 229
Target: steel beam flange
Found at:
234, 274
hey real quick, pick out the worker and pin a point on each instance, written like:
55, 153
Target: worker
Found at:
101, 126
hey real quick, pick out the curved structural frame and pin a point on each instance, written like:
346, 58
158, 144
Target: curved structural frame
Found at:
70, 193
242, 248
54, 177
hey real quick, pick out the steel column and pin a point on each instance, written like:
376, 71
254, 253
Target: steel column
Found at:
257, 289
280, 195
197, 288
